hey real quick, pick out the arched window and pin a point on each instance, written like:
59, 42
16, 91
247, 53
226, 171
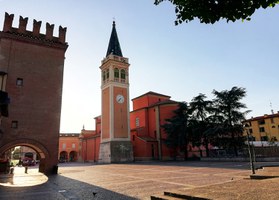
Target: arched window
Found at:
104, 75
3, 79
107, 74
123, 75
116, 74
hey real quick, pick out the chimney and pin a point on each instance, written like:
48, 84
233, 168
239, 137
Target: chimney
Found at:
8, 22
49, 31
22, 24
36, 27
62, 34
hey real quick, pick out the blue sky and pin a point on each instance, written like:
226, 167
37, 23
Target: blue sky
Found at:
179, 61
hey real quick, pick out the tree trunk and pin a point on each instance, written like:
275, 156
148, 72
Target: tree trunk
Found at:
186, 152
174, 153
207, 150
234, 145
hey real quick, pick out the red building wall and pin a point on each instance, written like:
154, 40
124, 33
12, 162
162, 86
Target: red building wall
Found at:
151, 109
148, 99
147, 136
90, 144
68, 147
91, 149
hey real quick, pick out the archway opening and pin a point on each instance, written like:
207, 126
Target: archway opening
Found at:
63, 157
73, 156
19, 166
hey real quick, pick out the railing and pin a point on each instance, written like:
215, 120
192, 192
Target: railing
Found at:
116, 58
258, 152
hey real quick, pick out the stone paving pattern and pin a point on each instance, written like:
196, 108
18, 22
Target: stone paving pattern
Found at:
212, 180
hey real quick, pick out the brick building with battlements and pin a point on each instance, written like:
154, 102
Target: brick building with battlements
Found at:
31, 79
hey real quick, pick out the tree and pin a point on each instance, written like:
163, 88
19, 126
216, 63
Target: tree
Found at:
177, 129
211, 11
16, 153
229, 129
200, 110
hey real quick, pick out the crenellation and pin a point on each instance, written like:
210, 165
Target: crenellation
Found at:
49, 31
22, 33
62, 34
8, 22
36, 27
22, 24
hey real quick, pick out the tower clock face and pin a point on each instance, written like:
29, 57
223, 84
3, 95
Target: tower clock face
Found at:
120, 98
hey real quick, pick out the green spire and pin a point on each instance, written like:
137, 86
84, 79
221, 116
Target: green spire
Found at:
114, 45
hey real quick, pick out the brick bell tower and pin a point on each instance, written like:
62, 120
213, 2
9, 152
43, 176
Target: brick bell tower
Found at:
115, 144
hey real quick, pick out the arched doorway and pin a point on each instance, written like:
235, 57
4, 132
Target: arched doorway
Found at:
19, 168
41, 152
18, 157
73, 156
63, 156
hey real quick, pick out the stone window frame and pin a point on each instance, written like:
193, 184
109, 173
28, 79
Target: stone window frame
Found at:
14, 124
19, 81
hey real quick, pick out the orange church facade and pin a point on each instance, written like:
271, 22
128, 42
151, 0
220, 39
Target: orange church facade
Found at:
150, 111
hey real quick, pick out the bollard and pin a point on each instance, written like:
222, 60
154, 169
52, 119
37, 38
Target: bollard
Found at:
55, 169
26, 168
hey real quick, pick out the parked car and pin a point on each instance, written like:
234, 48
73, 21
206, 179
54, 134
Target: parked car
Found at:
28, 162
62, 160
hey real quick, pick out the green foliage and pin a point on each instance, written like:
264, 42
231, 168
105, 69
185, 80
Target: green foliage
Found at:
16, 153
227, 103
211, 11
177, 130
203, 122
228, 130
200, 110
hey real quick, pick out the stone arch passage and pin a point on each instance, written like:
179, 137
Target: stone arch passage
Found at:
38, 147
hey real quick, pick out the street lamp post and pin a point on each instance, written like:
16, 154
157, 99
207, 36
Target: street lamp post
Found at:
249, 151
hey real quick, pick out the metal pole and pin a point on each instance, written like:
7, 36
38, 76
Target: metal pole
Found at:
250, 154
253, 150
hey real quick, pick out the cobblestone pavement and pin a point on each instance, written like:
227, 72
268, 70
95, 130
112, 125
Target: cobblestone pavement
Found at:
119, 181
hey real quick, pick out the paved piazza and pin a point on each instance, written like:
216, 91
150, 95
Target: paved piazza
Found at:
139, 180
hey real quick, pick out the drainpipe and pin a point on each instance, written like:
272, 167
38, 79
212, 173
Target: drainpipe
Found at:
95, 149
85, 151
158, 133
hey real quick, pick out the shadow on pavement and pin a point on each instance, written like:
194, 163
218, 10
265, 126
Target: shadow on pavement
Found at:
59, 187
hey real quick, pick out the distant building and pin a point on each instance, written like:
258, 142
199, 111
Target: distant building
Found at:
263, 130
83, 146
28, 152
68, 147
